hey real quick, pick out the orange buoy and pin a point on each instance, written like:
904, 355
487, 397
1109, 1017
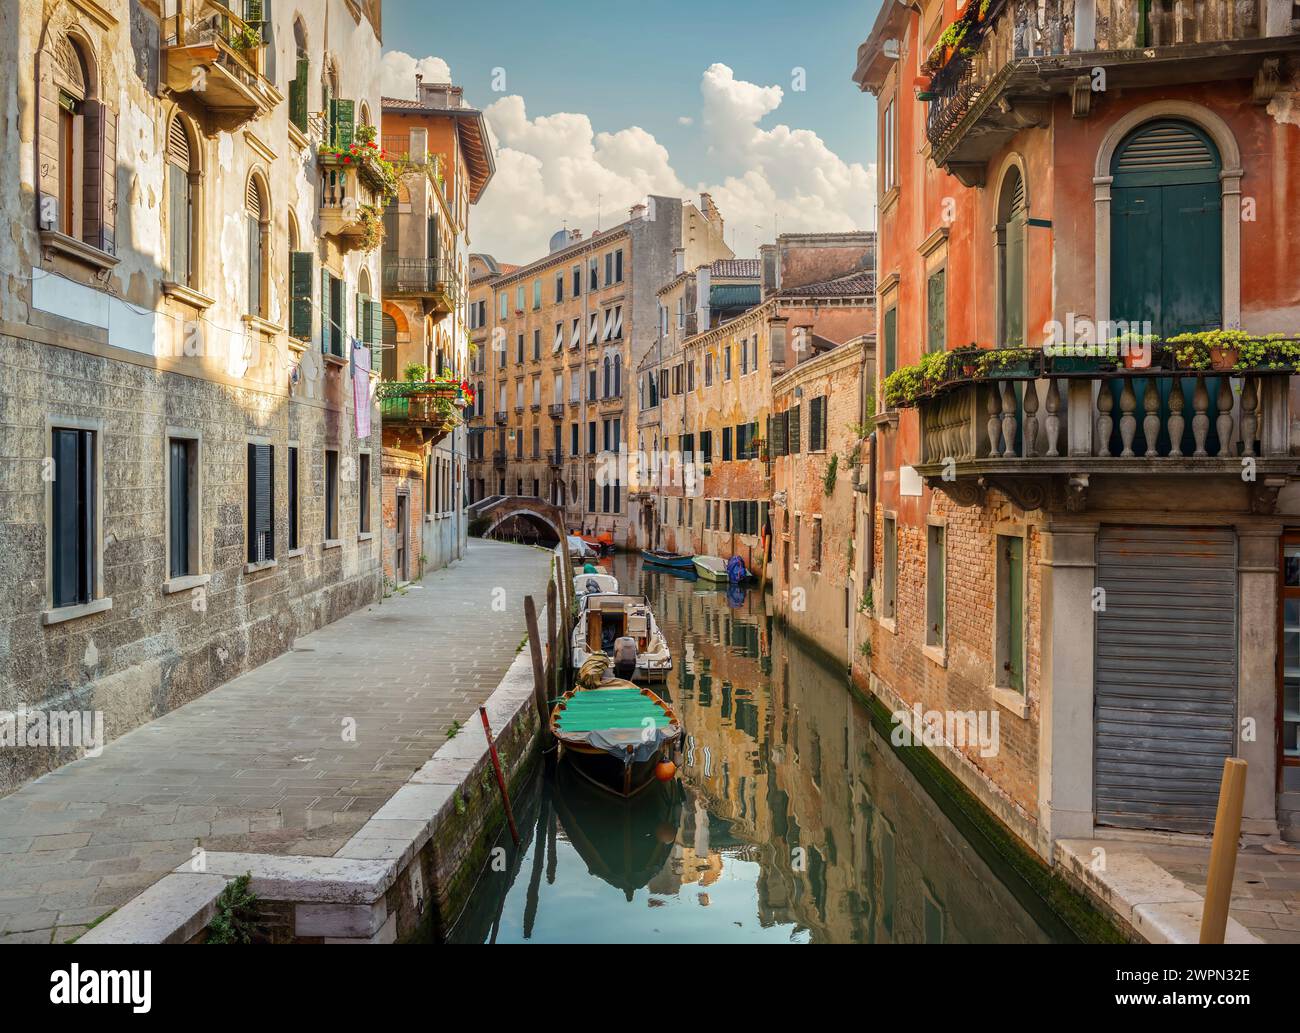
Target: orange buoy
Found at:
665, 770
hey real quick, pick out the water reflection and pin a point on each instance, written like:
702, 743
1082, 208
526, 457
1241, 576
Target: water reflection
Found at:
791, 820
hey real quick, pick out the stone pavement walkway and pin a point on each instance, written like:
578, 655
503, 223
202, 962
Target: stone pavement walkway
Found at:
1159, 885
263, 763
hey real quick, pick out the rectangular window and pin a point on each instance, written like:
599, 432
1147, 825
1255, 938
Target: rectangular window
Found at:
887, 148
726, 444
573, 439
519, 298
706, 446
331, 495
726, 363
537, 344
935, 586
815, 546
708, 369
618, 266
817, 425
935, 312
591, 438
1009, 657
293, 497
537, 294
577, 280
182, 507
261, 498
363, 491
559, 287
591, 495
74, 517
593, 277
793, 429
889, 325
505, 304
889, 593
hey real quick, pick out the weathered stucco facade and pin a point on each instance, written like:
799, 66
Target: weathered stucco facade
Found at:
1011, 216
155, 343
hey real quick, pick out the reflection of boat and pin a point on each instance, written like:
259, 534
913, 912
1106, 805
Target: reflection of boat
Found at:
664, 558
605, 618
711, 568
625, 842
614, 733
592, 584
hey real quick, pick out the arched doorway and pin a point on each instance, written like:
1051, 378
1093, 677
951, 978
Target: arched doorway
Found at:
1166, 223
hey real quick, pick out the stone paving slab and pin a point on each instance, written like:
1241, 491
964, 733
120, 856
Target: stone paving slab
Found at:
260, 764
1159, 886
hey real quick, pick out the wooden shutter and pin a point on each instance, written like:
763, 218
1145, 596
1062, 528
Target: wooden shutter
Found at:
890, 323
300, 265
342, 122
261, 488
324, 310
298, 96
776, 433
817, 425
179, 214
178, 499
375, 334
1013, 285
936, 311
99, 186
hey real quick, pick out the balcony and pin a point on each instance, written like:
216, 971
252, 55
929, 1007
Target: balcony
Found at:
348, 211
429, 280
608, 403
501, 419
1039, 436
1009, 66
555, 458
556, 410
218, 60
407, 406
499, 459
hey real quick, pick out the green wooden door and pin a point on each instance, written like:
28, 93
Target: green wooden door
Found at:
1166, 230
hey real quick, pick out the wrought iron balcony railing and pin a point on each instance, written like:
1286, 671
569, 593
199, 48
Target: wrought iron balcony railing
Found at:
433, 280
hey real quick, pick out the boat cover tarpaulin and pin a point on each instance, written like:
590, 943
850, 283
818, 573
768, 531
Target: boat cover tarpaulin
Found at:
614, 719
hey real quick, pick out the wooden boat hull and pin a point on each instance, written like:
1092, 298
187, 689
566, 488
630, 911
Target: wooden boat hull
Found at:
675, 562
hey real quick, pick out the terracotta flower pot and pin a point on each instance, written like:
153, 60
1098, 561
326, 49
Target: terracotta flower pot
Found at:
1137, 359
1222, 359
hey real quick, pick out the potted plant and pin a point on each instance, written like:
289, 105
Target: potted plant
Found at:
983, 10
1081, 359
1140, 351
952, 37
967, 359
1011, 363
415, 373
1191, 355
1224, 346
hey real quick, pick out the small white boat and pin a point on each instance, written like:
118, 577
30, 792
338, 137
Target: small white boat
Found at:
594, 584
712, 568
603, 618
579, 551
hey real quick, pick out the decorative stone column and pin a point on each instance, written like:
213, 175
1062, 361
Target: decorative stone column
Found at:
1065, 731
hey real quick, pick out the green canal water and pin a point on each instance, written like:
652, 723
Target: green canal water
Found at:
791, 821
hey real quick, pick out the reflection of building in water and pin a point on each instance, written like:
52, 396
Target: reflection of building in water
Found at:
782, 768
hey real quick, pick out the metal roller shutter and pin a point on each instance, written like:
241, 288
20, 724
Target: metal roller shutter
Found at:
1166, 675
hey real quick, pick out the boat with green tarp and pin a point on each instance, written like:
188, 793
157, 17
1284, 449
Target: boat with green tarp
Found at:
614, 733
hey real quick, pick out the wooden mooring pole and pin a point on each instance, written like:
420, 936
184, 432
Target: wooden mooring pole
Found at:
501, 778
539, 672
1223, 852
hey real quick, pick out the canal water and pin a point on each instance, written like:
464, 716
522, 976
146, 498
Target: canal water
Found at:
791, 820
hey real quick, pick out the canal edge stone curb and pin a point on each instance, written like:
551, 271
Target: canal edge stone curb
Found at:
345, 898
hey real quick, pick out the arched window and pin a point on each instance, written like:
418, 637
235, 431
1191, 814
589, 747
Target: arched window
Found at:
182, 180
1010, 244
77, 139
618, 376
258, 210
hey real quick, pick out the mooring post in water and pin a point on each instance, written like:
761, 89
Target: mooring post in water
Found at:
501, 779
539, 677
553, 661
1223, 852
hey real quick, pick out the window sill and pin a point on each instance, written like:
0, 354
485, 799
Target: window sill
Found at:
332, 543
184, 584
365, 536
890, 624
253, 568
936, 654
187, 295
294, 552
262, 326
53, 240
298, 346
297, 137
68, 613
1010, 699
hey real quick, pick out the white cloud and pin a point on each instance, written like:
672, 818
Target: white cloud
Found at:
555, 170
397, 71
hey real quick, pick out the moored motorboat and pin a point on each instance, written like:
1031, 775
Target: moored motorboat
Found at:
667, 558
604, 618
712, 568
613, 733
594, 584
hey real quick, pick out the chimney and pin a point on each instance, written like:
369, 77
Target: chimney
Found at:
441, 95
770, 267
679, 261
710, 210
702, 276
637, 211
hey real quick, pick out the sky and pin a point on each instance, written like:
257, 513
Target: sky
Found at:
594, 105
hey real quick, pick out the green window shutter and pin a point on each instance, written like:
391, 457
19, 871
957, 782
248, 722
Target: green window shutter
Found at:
891, 344
376, 334
793, 429
777, 434
342, 122
324, 311
300, 263
936, 311
298, 96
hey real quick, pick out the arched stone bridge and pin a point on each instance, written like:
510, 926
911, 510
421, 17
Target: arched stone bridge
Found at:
497, 509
